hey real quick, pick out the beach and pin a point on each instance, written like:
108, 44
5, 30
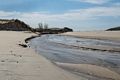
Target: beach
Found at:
94, 59
108, 35
60, 40
18, 63
103, 72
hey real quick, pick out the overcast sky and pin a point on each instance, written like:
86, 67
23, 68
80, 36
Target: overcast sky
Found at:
77, 14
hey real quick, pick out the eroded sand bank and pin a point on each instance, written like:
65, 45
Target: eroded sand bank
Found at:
17, 63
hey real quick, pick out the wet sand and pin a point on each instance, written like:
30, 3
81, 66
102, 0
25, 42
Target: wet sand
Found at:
89, 68
93, 70
92, 64
18, 63
108, 35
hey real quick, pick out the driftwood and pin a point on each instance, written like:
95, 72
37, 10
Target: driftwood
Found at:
23, 45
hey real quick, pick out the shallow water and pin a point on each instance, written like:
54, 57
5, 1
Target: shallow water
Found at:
82, 41
56, 48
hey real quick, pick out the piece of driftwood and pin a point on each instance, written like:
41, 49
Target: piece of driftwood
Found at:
23, 45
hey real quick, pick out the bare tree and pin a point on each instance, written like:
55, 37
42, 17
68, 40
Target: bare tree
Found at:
40, 26
45, 26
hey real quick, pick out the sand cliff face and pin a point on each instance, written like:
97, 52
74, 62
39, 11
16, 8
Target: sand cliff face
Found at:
14, 25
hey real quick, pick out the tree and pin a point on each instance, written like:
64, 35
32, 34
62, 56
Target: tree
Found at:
40, 26
45, 26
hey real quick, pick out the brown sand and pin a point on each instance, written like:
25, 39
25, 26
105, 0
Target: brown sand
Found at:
17, 63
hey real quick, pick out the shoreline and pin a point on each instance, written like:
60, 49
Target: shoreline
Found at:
104, 35
32, 37
99, 35
18, 63
89, 71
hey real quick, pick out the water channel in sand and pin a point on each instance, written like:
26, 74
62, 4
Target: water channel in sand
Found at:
66, 49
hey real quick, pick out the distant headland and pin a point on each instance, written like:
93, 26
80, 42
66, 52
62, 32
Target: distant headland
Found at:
114, 29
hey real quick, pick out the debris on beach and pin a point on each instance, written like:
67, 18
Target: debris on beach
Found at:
23, 45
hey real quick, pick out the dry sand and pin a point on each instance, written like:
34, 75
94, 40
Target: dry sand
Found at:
109, 35
18, 63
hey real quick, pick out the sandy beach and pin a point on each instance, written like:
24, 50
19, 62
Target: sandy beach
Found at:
18, 63
108, 35
98, 35
59, 39
99, 71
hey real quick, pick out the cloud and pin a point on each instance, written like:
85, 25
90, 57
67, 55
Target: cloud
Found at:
99, 11
7, 14
79, 15
93, 1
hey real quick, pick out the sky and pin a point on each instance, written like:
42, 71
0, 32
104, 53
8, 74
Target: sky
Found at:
80, 15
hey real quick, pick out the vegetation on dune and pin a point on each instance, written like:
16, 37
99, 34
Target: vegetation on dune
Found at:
17, 25
14, 25
114, 29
